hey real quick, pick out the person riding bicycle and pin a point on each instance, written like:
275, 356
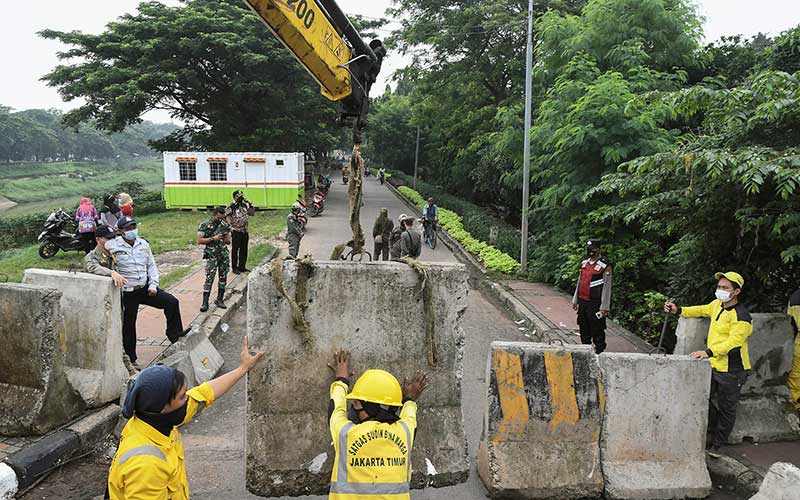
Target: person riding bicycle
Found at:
430, 214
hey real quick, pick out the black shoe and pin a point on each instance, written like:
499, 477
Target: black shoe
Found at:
236, 271
221, 304
244, 270
204, 307
184, 333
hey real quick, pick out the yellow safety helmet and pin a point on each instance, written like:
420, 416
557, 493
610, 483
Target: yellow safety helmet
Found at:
377, 386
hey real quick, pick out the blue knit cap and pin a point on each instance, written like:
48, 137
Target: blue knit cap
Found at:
150, 392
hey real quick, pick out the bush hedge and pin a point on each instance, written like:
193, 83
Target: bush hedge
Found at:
492, 258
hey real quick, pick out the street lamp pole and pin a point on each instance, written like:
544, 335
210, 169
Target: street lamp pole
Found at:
416, 161
526, 160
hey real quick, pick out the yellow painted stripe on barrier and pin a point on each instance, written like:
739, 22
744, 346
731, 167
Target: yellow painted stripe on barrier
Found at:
511, 391
562, 388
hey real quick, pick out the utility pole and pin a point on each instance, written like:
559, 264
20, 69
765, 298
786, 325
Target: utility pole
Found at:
526, 160
416, 161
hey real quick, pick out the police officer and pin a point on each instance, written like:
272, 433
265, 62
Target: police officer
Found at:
727, 348
373, 439
99, 260
238, 214
215, 234
592, 298
294, 230
134, 261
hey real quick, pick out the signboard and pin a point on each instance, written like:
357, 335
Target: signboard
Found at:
304, 29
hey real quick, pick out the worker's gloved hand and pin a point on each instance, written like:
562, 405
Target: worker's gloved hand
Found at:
413, 388
341, 364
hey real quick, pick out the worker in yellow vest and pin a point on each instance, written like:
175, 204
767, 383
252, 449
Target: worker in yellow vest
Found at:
149, 462
794, 375
372, 440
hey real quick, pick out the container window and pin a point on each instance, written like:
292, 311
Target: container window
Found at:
219, 170
187, 170
278, 163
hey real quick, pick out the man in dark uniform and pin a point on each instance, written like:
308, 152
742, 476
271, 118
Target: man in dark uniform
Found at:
294, 230
592, 298
215, 234
238, 214
382, 232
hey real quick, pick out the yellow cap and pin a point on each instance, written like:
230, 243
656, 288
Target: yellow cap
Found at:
732, 277
377, 386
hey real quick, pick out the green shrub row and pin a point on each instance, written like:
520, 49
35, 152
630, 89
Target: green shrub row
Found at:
476, 220
492, 258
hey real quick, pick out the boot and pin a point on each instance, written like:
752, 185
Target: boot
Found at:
204, 307
220, 302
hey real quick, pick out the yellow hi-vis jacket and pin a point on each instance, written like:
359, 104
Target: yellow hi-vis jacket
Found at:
149, 465
794, 375
373, 459
727, 335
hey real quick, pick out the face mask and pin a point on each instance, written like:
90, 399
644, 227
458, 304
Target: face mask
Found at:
724, 295
165, 422
131, 235
352, 415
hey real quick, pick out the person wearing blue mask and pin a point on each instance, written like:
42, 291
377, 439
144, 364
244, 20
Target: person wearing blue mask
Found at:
149, 462
135, 262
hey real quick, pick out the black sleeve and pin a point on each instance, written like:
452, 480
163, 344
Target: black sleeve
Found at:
330, 401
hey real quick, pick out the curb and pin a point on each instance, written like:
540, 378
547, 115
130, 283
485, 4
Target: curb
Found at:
34, 462
726, 470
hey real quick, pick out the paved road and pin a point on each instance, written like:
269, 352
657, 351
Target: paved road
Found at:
214, 444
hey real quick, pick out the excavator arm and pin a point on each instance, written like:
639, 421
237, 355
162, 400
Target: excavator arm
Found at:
323, 40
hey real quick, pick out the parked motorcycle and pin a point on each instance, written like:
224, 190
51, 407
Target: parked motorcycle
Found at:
303, 209
317, 204
323, 183
54, 238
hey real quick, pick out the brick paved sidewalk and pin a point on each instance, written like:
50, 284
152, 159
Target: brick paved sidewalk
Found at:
555, 315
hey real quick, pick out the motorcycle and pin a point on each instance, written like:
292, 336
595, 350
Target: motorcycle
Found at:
317, 204
345, 179
54, 238
366, 171
302, 215
323, 183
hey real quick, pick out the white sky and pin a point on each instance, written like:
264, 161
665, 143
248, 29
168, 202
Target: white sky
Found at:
27, 57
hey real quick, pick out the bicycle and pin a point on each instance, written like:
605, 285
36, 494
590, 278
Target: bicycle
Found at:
430, 234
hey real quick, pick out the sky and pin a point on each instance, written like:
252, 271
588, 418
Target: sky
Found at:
27, 57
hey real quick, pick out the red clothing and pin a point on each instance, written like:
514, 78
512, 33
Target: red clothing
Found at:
127, 210
591, 279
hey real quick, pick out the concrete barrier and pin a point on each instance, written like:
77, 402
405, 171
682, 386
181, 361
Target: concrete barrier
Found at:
206, 361
35, 394
375, 311
92, 311
765, 412
782, 482
654, 429
541, 425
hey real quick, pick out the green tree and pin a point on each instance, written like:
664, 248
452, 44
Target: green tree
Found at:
211, 64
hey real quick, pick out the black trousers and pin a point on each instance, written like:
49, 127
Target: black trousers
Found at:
726, 388
130, 310
593, 330
239, 241
380, 249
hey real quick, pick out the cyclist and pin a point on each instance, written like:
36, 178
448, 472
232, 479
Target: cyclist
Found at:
430, 214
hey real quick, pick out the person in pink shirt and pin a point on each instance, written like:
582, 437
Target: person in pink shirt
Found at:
86, 217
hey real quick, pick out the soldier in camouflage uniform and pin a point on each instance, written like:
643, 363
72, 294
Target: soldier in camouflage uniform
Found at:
294, 230
215, 234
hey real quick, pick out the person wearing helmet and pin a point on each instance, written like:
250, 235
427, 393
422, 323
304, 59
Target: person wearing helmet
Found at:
294, 230
373, 439
592, 298
395, 236
149, 461
135, 262
727, 348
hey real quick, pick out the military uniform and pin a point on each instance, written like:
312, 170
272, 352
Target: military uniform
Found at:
96, 262
394, 241
294, 233
382, 232
410, 244
217, 258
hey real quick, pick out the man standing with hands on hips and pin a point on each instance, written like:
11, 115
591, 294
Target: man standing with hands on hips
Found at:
592, 298
727, 350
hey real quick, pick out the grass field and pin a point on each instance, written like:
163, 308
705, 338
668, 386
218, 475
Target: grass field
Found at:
47, 182
165, 232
